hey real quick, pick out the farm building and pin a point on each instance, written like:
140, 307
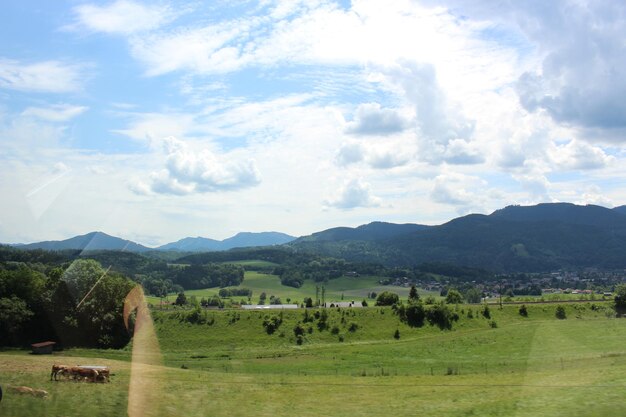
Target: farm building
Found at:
43, 348
269, 306
344, 304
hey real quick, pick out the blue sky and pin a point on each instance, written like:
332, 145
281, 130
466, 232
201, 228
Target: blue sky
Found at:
159, 120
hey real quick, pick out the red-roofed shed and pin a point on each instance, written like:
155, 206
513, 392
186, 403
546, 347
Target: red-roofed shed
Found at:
43, 348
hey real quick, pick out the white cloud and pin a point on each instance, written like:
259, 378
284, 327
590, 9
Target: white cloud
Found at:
54, 113
461, 152
536, 186
153, 128
189, 171
41, 77
457, 189
575, 68
371, 119
352, 194
594, 195
202, 50
438, 122
580, 155
350, 153
120, 17
386, 158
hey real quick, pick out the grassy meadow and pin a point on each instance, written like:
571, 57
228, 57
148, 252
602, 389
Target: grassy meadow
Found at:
230, 366
352, 288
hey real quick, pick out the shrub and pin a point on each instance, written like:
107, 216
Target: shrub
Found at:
559, 313
429, 300
620, 298
454, 297
523, 311
272, 323
486, 312
387, 298
396, 334
415, 314
353, 327
441, 316
298, 330
493, 324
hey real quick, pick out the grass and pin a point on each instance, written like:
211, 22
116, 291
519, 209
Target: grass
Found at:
531, 366
352, 288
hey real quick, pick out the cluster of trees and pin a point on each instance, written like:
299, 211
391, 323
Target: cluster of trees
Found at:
42, 301
415, 314
235, 292
207, 276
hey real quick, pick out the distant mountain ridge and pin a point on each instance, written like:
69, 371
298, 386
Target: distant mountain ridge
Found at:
89, 241
240, 240
96, 241
516, 238
367, 232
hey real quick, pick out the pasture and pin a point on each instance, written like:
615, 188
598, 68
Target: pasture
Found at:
352, 288
230, 366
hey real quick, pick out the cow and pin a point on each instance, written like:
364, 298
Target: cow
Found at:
80, 373
104, 375
58, 369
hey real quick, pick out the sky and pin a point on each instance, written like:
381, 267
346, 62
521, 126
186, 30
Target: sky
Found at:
158, 120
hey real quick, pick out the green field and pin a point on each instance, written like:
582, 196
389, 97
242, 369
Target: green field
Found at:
352, 288
523, 367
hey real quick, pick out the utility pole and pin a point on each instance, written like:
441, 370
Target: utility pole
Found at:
317, 295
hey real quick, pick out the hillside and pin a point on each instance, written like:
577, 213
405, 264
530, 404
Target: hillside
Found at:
240, 240
88, 242
516, 238
367, 232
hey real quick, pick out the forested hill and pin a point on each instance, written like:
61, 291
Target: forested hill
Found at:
90, 241
240, 240
516, 238
368, 232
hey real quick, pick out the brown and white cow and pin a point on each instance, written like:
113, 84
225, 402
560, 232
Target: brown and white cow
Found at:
59, 370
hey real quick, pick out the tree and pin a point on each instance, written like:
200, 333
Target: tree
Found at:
441, 316
559, 313
413, 295
81, 276
620, 298
13, 314
387, 298
473, 296
181, 299
454, 297
523, 311
415, 314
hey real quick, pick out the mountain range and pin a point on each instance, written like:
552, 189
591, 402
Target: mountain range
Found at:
516, 238
102, 241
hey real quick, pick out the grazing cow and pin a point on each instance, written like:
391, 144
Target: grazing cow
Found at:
58, 369
104, 375
80, 373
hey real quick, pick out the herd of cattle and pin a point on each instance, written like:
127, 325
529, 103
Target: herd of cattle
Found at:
80, 373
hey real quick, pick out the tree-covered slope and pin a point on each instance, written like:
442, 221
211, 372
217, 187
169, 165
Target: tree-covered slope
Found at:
516, 238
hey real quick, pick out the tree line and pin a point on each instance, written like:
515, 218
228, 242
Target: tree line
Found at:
43, 302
